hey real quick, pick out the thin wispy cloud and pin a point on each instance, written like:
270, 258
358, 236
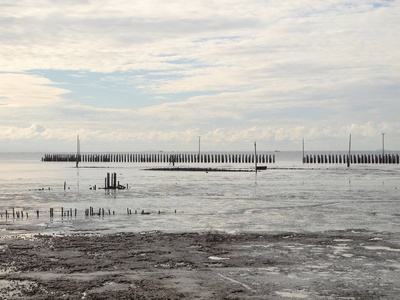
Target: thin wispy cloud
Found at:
155, 74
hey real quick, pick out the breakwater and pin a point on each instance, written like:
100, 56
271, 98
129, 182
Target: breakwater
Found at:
163, 158
351, 159
221, 158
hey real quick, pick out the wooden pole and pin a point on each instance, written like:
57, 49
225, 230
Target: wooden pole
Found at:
348, 158
199, 148
78, 151
255, 156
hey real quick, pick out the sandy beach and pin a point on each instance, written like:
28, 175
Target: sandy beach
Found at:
211, 265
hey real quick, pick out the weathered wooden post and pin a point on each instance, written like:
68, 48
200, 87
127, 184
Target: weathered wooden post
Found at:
255, 156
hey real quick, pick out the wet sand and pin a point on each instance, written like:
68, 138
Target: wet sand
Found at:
211, 265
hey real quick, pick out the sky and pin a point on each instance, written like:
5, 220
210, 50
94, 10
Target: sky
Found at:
151, 75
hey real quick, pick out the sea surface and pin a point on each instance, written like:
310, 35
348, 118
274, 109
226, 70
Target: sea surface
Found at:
287, 197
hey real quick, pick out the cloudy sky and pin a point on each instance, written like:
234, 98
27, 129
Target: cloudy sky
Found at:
154, 75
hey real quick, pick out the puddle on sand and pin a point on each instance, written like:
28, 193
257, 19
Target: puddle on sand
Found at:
381, 248
292, 295
218, 258
270, 270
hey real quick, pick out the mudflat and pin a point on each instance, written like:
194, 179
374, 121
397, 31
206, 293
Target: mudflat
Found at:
348, 264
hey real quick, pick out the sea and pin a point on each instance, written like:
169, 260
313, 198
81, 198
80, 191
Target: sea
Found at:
287, 197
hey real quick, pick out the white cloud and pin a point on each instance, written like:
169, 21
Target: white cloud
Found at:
270, 70
21, 90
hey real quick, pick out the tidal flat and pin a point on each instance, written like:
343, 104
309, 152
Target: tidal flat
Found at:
348, 264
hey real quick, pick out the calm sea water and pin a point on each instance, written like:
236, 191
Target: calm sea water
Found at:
289, 196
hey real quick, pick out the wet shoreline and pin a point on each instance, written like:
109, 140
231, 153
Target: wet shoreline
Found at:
206, 265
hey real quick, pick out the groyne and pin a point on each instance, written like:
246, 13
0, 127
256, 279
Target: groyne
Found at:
163, 158
220, 158
17, 213
351, 159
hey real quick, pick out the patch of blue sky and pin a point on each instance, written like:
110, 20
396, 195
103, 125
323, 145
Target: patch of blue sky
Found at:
217, 38
120, 90
101, 90
348, 5
96, 89
167, 54
180, 97
381, 4
182, 61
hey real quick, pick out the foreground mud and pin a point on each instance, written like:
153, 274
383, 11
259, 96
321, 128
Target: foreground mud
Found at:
327, 265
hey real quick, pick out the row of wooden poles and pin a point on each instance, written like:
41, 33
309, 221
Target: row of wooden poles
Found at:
20, 214
17, 214
352, 159
164, 158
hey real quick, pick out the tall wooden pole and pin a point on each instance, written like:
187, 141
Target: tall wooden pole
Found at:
348, 157
199, 148
303, 151
255, 156
78, 150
